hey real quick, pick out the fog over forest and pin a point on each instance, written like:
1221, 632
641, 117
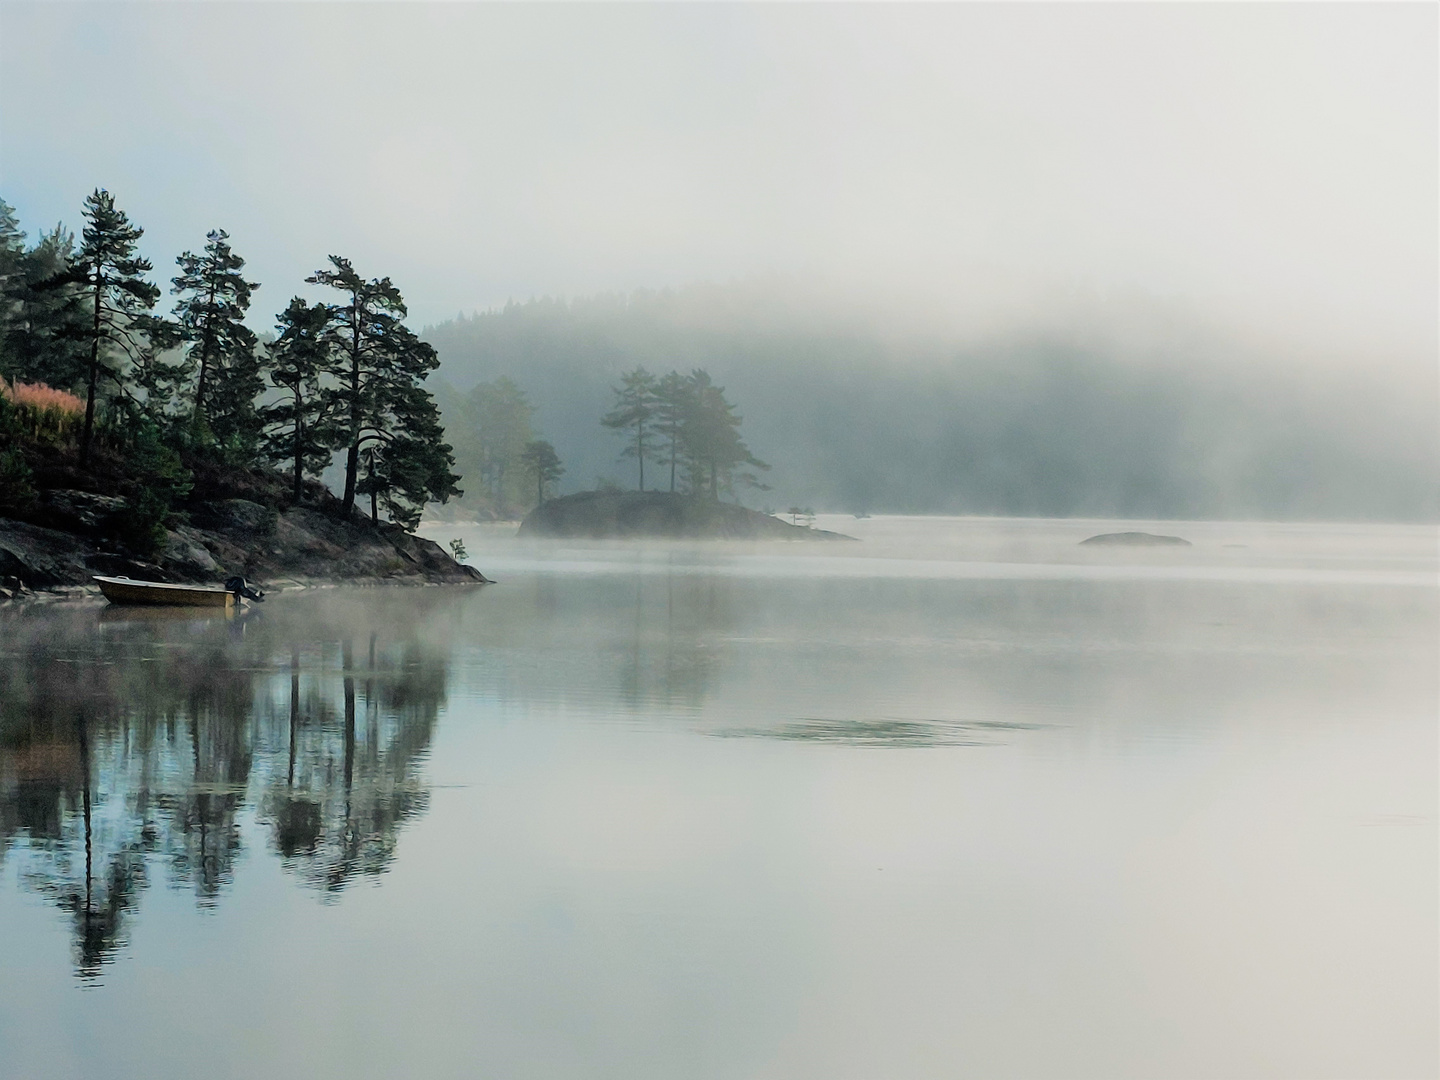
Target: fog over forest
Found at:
1038, 421
1134, 259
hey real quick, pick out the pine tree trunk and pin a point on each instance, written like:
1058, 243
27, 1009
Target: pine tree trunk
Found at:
352, 469
94, 377
352, 457
640, 454
374, 510
299, 452
205, 352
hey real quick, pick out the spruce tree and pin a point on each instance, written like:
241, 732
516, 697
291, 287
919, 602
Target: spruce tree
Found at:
295, 430
634, 412
222, 349
379, 398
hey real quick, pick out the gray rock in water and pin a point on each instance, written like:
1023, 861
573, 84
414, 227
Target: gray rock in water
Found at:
1137, 539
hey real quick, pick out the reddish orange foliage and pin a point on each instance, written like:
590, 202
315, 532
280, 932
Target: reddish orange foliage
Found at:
43, 398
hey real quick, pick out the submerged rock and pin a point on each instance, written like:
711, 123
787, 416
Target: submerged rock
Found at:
601, 515
1137, 539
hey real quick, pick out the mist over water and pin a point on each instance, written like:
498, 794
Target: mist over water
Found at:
863, 409
963, 797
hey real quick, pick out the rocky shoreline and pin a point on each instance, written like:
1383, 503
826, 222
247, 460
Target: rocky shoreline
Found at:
67, 542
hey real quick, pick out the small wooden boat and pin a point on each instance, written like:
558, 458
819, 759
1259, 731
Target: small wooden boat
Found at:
121, 590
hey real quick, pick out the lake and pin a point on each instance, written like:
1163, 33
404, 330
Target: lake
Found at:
960, 799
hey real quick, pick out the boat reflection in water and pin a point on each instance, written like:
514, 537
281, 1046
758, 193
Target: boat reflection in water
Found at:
132, 740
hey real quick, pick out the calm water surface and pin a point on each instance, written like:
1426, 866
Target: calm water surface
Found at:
962, 799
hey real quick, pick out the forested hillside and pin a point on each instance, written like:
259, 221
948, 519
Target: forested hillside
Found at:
852, 420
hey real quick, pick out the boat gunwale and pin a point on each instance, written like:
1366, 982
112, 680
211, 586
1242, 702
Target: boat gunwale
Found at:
213, 590
129, 591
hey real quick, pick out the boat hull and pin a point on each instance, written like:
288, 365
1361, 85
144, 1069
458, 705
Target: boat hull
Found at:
126, 591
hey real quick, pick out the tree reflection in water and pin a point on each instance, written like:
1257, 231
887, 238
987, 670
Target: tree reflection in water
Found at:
135, 742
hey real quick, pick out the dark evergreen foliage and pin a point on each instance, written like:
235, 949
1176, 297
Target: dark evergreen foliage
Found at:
295, 428
120, 337
380, 404
222, 350
200, 401
40, 313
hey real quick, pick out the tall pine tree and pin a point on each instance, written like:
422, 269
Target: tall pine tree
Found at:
543, 463
12, 281
39, 309
379, 398
295, 428
711, 439
672, 406
634, 415
120, 336
222, 349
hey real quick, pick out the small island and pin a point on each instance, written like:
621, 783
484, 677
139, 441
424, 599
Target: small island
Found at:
1137, 539
605, 515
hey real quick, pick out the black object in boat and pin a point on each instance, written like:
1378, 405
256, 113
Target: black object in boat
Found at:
241, 588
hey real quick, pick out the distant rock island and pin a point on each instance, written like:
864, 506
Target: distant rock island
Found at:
1137, 539
604, 515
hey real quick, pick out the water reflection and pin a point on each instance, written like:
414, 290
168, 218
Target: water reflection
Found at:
883, 731
131, 747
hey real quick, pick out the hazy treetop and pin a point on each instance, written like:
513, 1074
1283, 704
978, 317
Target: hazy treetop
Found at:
1267, 168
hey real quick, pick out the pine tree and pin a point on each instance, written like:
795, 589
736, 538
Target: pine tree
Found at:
39, 309
211, 310
672, 405
121, 336
12, 282
634, 411
379, 399
541, 462
407, 468
295, 430
711, 440
494, 431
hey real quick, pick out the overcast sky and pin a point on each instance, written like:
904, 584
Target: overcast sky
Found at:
1271, 169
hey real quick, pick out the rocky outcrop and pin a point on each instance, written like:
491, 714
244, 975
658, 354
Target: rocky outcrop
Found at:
230, 536
1137, 539
603, 515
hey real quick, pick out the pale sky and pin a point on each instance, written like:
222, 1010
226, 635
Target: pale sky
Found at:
1270, 169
